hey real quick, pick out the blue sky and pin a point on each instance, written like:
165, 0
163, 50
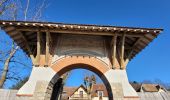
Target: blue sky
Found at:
154, 61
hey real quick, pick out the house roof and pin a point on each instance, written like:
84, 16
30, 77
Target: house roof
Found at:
99, 87
147, 87
81, 86
67, 91
136, 86
24, 33
150, 88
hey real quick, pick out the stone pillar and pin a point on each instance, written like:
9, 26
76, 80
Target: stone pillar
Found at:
41, 92
121, 89
39, 75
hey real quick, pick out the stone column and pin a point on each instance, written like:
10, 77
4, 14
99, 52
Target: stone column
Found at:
121, 89
39, 75
42, 91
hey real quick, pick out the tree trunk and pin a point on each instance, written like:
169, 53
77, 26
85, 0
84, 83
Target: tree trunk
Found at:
6, 66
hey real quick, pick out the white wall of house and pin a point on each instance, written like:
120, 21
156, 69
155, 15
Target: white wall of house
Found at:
77, 93
97, 98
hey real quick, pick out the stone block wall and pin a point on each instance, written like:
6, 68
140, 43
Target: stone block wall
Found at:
41, 91
117, 91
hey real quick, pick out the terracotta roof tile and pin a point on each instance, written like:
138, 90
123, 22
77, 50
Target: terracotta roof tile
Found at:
67, 91
99, 87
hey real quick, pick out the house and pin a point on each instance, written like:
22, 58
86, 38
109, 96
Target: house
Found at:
99, 92
74, 93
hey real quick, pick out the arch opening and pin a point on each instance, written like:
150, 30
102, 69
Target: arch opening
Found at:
56, 81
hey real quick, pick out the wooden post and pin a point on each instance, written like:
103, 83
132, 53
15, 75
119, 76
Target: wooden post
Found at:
38, 49
122, 52
47, 49
114, 40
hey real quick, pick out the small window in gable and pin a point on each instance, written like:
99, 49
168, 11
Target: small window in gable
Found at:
81, 93
100, 93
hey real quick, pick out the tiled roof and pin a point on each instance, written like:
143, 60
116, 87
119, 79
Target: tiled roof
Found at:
136, 86
67, 91
99, 87
149, 88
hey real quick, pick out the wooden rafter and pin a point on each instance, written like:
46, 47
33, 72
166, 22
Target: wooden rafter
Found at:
8, 29
28, 47
132, 50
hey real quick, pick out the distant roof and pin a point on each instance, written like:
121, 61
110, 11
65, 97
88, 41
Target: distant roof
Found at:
150, 88
99, 87
136, 86
67, 91
24, 31
147, 87
77, 89
151, 91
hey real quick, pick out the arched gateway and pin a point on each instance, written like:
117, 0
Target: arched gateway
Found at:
56, 48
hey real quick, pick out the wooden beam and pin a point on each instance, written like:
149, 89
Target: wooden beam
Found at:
47, 48
38, 49
50, 42
9, 28
132, 50
71, 31
122, 51
28, 48
114, 40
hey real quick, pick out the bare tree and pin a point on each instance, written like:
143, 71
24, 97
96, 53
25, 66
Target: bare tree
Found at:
6, 65
5, 5
89, 81
15, 10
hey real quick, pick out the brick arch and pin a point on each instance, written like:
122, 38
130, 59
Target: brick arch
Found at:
73, 62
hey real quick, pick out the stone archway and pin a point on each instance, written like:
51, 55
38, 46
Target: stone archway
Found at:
97, 64
69, 63
42, 79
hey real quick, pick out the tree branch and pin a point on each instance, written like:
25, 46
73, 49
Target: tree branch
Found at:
26, 10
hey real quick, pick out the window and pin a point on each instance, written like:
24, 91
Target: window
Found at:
100, 94
81, 93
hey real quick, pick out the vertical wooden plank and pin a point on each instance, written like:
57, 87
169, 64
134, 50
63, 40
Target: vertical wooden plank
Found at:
122, 51
114, 40
38, 49
47, 48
